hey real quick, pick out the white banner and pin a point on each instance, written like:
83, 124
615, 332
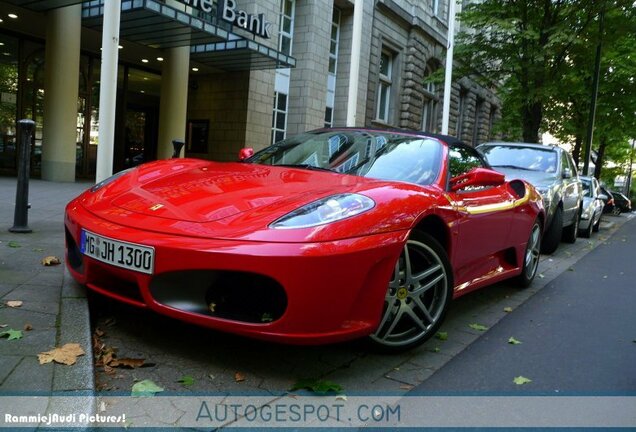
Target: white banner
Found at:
314, 411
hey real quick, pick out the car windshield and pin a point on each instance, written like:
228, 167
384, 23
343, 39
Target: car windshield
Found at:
374, 154
587, 187
528, 158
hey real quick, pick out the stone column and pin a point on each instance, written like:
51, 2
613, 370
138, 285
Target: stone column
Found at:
308, 84
174, 99
63, 33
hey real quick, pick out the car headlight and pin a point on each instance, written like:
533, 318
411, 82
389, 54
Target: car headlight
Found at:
587, 213
110, 179
324, 211
545, 194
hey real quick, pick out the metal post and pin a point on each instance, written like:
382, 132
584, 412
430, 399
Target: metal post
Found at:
592, 115
354, 67
21, 215
448, 73
178, 145
108, 89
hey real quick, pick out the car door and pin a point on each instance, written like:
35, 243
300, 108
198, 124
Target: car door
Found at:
483, 219
572, 189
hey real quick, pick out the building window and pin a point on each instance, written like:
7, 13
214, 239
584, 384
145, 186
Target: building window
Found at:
281, 86
477, 124
279, 118
437, 8
286, 34
430, 102
333, 67
461, 112
491, 122
384, 86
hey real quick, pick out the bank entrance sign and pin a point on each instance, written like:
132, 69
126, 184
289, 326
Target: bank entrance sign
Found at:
228, 11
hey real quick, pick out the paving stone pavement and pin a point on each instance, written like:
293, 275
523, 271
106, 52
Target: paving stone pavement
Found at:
53, 307
57, 310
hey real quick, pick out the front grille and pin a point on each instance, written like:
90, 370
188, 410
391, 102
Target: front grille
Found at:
232, 295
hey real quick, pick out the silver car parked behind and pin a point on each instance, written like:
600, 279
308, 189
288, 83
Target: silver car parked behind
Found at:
551, 170
592, 206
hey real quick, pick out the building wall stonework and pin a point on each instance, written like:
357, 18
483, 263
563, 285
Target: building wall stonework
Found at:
308, 82
239, 105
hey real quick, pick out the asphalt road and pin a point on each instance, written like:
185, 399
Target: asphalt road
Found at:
578, 333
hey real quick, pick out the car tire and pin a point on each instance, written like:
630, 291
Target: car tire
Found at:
616, 211
531, 257
597, 225
417, 297
552, 236
571, 231
587, 233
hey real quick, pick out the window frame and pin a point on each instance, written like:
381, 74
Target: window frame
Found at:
385, 82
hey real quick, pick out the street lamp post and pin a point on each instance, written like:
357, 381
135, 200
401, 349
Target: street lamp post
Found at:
629, 173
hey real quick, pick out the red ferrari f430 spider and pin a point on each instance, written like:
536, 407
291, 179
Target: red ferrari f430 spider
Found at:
331, 235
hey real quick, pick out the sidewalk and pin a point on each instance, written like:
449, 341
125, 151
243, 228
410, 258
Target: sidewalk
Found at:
52, 305
56, 309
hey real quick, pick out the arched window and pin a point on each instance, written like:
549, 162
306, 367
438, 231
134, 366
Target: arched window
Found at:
429, 101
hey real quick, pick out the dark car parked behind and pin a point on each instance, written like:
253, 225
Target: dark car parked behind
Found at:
621, 203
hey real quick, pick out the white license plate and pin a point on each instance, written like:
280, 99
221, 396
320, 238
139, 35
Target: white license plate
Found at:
118, 253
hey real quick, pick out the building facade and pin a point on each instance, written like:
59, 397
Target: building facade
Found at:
221, 75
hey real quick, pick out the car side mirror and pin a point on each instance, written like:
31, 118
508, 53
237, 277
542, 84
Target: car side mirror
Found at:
477, 177
245, 153
603, 197
567, 173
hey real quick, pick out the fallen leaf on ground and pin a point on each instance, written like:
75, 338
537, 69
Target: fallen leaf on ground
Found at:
38, 250
50, 261
478, 327
12, 334
441, 335
508, 309
317, 386
521, 380
513, 341
186, 380
145, 388
65, 355
99, 332
13, 244
341, 397
125, 362
436, 350
14, 303
239, 377
406, 387
3, 325
28, 327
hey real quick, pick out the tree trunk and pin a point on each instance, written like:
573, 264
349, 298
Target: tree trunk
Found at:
576, 151
600, 155
531, 116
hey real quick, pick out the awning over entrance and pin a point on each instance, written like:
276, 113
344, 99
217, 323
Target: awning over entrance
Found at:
155, 24
240, 55
43, 5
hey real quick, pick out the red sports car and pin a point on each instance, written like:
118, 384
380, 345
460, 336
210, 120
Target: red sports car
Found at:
327, 236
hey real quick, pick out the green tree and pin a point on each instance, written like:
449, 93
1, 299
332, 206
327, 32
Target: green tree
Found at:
521, 47
568, 108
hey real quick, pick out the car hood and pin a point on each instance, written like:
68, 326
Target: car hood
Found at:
536, 178
212, 191
241, 200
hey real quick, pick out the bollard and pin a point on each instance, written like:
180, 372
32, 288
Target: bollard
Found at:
21, 215
178, 145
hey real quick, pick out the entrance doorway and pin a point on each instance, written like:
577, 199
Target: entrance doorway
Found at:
140, 135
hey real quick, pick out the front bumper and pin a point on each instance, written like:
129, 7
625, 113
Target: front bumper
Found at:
333, 291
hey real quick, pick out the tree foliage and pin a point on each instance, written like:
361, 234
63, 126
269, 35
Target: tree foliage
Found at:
540, 55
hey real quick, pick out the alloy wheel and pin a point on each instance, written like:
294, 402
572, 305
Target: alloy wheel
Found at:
416, 298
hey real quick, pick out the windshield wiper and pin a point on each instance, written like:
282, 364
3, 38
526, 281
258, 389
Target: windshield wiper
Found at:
514, 167
306, 166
